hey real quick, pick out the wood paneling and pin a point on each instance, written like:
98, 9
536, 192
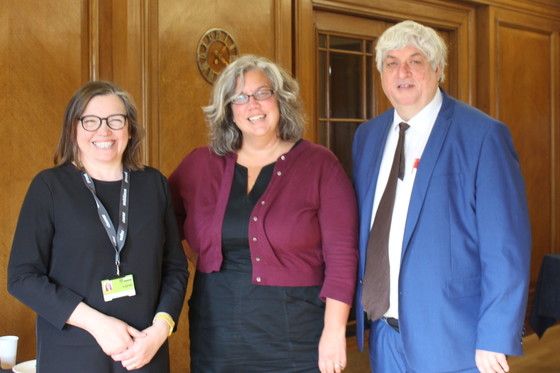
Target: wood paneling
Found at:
530, 121
42, 64
504, 60
182, 91
518, 84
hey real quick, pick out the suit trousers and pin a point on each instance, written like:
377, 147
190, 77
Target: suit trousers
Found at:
387, 355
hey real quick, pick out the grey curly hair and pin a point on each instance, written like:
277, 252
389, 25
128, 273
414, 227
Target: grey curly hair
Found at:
224, 136
412, 33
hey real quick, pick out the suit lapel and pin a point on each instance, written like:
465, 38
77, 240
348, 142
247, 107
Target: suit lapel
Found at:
371, 151
427, 164
376, 142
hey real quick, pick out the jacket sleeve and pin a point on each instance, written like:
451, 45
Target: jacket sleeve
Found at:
505, 244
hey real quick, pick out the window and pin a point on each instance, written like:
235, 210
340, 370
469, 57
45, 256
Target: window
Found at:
346, 81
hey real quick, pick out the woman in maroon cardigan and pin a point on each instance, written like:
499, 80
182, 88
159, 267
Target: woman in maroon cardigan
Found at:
272, 221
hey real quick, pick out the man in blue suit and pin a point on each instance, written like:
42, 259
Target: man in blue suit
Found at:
459, 242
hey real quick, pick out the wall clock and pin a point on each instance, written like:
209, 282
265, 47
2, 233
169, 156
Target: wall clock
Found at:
216, 49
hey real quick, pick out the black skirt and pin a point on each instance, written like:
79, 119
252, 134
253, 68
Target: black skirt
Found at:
236, 326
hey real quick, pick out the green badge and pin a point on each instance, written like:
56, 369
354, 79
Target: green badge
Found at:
118, 287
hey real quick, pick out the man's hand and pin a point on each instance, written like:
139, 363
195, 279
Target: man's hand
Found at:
491, 362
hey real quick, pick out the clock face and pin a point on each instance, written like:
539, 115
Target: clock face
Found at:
216, 49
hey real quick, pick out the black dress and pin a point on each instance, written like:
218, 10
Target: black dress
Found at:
61, 252
236, 326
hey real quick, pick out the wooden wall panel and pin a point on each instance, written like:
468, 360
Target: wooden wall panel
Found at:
182, 90
527, 112
518, 85
48, 48
42, 65
119, 50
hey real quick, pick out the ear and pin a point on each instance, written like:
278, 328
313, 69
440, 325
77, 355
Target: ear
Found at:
438, 71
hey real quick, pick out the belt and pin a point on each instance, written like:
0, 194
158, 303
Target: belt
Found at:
393, 323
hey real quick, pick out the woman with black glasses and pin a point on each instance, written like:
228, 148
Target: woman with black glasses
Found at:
96, 251
271, 221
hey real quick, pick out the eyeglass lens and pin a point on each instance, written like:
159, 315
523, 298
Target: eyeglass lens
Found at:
259, 96
93, 122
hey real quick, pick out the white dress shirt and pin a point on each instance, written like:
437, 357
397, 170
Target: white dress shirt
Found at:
416, 138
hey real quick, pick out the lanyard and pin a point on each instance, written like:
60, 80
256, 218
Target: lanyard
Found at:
117, 238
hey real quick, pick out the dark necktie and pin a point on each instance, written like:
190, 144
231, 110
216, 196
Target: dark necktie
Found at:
375, 297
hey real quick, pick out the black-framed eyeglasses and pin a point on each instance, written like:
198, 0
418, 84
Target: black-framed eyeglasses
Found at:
93, 122
259, 96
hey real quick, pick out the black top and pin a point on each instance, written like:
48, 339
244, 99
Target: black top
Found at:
236, 220
61, 252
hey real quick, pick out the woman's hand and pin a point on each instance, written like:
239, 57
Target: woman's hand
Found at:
332, 346
332, 351
113, 335
144, 348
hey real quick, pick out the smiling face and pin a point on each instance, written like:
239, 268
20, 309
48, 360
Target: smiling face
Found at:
256, 119
408, 80
103, 147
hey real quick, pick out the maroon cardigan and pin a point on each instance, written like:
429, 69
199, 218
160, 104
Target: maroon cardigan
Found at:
303, 230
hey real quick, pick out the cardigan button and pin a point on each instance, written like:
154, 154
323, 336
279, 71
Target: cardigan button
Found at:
255, 218
257, 259
279, 173
254, 239
259, 279
263, 202
283, 157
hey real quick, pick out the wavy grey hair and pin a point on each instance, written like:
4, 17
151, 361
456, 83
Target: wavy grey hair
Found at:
412, 33
224, 136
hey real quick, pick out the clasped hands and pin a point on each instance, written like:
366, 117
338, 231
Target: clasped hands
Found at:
132, 347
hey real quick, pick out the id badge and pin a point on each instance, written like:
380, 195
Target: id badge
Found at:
118, 287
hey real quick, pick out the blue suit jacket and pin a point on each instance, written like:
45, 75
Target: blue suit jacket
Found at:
466, 250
